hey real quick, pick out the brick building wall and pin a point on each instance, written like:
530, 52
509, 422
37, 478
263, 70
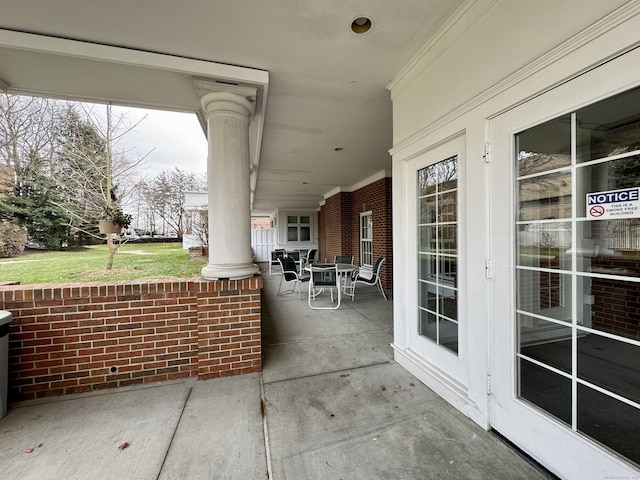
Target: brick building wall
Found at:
616, 307
339, 224
376, 198
75, 338
335, 238
322, 240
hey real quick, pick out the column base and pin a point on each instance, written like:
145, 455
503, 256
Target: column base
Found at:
229, 272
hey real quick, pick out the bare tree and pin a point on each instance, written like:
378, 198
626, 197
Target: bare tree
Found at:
165, 196
27, 125
96, 173
200, 226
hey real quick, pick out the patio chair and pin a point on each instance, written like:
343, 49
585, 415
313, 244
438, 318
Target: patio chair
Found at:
311, 256
369, 277
275, 255
348, 259
324, 277
290, 276
295, 255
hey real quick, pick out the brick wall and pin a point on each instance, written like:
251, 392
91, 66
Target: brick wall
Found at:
616, 307
375, 197
74, 338
339, 221
336, 238
322, 236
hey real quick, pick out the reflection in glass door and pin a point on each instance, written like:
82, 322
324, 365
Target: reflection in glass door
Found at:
578, 271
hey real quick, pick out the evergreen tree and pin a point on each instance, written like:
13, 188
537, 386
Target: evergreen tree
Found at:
31, 202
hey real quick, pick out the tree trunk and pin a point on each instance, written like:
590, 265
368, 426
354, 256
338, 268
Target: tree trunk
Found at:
112, 252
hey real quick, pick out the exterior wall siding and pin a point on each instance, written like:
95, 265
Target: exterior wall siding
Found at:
75, 338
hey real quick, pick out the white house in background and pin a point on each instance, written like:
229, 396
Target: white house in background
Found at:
289, 229
195, 206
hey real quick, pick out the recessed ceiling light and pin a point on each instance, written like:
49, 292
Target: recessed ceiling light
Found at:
361, 25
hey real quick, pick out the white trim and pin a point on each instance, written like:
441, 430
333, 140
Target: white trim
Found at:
357, 186
369, 180
438, 43
440, 382
125, 56
553, 56
369, 240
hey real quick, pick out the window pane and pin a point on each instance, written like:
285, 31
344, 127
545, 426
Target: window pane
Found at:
448, 302
545, 245
448, 207
449, 335
447, 172
546, 389
546, 342
611, 305
427, 267
448, 239
609, 127
427, 207
448, 269
292, 219
305, 219
545, 197
427, 239
292, 234
606, 176
611, 247
305, 234
544, 293
428, 298
428, 325
610, 364
610, 422
427, 180
545, 147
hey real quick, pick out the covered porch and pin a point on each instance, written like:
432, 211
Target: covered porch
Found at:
330, 403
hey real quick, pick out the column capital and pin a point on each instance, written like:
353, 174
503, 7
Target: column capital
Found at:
214, 94
227, 102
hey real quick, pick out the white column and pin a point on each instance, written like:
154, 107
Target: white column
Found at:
229, 190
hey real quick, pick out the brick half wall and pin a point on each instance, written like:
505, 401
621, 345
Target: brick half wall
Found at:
75, 338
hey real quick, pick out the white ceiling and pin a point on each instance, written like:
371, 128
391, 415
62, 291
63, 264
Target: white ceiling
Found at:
326, 85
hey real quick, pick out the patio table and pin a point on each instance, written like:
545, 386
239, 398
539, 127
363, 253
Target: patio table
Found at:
344, 270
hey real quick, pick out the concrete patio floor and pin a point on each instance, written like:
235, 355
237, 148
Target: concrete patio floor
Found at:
330, 404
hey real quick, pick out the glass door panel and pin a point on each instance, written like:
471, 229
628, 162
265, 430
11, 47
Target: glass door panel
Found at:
578, 277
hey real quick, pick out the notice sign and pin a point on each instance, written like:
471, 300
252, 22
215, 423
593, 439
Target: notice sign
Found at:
623, 203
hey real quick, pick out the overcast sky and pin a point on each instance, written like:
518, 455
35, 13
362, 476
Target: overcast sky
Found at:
177, 140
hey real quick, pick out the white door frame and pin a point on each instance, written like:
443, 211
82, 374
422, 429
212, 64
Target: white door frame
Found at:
566, 453
451, 369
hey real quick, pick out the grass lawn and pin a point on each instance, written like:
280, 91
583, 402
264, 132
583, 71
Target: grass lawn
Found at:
133, 261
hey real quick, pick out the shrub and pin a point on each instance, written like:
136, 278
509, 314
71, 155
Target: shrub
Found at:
13, 238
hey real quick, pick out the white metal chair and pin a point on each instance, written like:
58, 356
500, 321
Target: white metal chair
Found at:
324, 277
290, 276
369, 277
